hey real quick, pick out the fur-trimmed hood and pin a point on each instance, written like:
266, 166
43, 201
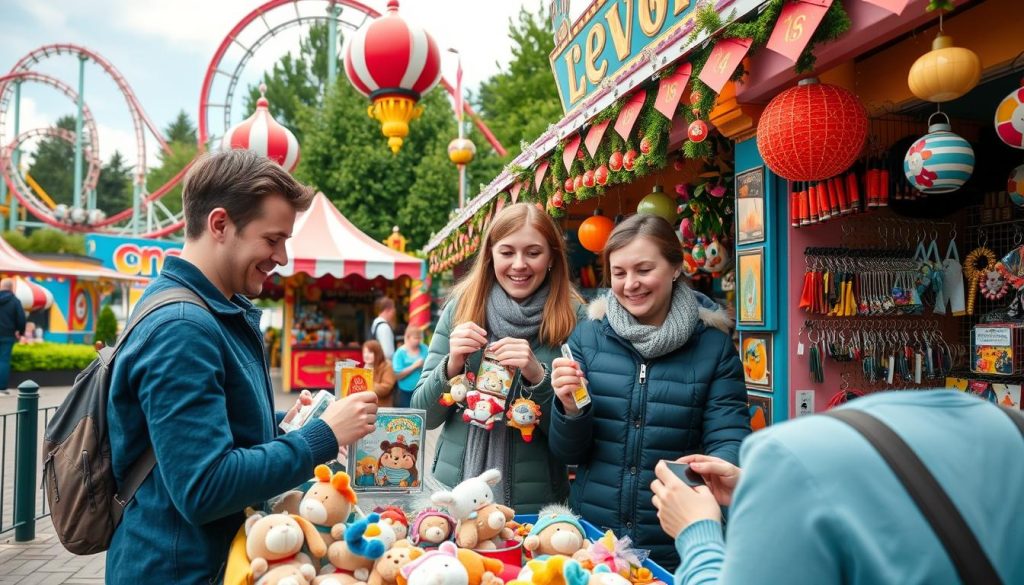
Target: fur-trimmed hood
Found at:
711, 313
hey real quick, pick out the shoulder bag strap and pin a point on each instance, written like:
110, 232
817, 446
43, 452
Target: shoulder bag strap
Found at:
140, 470
972, 564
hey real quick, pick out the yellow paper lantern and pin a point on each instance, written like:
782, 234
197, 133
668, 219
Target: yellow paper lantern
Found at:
461, 151
944, 73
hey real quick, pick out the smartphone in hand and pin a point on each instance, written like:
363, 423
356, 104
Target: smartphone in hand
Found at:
683, 472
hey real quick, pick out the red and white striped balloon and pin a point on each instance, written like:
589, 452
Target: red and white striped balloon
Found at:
33, 297
261, 133
390, 56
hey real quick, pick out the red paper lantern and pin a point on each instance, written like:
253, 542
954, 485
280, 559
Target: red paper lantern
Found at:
645, 145
577, 182
615, 161
570, 185
594, 232
629, 159
588, 179
812, 132
601, 175
698, 131
556, 199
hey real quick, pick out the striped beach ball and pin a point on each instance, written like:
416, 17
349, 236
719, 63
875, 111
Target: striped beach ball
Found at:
940, 161
1015, 186
261, 133
1010, 119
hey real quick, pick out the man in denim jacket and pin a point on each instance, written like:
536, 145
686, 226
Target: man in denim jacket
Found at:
193, 382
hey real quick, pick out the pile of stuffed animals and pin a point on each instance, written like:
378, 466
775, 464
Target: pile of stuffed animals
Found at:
308, 540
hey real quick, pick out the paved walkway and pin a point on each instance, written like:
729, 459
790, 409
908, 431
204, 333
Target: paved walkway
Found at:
44, 560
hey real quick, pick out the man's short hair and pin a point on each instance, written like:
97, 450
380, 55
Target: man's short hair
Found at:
237, 180
384, 303
7, 284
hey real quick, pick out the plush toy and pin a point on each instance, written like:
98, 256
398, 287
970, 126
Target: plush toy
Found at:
557, 532
394, 517
482, 410
289, 575
327, 502
277, 539
387, 569
353, 552
437, 567
575, 574
366, 471
481, 570
550, 571
397, 464
458, 388
478, 518
524, 414
431, 528
615, 553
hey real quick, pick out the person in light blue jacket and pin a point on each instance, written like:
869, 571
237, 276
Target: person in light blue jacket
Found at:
816, 504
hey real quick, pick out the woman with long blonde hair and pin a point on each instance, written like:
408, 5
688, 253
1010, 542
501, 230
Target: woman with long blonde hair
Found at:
517, 305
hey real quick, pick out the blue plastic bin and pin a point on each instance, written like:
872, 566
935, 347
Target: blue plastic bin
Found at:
593, 533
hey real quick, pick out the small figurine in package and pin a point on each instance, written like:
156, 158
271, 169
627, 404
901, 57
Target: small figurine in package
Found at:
389, 459
494, 378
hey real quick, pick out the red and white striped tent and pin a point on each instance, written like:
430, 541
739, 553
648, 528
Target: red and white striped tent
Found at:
324, 242
14, 262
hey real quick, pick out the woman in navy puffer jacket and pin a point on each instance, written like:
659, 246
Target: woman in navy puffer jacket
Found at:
665, 381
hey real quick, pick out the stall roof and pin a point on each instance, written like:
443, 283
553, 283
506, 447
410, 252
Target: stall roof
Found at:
14, 262
324, 242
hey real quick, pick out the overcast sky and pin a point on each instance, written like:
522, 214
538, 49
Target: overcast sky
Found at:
163, 49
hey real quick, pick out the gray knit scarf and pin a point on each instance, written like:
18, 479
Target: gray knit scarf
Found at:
506, 317
652, 341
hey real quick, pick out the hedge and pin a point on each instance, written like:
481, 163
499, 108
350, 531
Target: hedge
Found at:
51, 356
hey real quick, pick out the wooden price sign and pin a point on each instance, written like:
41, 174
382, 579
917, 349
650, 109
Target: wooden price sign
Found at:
723, 60
670, 90
797, 22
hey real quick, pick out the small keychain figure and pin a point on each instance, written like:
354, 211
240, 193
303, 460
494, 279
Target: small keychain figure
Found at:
458, 388
524, 414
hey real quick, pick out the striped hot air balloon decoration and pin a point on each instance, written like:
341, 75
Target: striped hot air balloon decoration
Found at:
32, 296
940, 161
261, 133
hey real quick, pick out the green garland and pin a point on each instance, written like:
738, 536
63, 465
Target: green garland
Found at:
654, 127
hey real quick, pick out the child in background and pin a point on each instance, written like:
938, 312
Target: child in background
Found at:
408, 364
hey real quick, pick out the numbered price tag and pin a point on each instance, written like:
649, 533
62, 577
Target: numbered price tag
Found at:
670, 90
797, 22
723, 60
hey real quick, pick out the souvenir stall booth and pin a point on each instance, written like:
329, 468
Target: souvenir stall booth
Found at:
334, 274
61, 294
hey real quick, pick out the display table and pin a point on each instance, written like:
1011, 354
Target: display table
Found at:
313, 367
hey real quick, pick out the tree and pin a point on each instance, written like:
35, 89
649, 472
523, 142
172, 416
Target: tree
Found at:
53, 164
114, 189
521, 101
181, 129
181, 140
106, 326
46, 241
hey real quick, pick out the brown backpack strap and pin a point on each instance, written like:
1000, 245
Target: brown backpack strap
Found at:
143, 466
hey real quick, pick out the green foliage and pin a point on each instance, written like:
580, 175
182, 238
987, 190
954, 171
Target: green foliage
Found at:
106, 326
51, 356
46, 241
181, 129
170, 165
53, 164
114, 189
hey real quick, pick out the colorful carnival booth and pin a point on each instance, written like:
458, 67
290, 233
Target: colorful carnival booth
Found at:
69, 288
334, 274
823, 162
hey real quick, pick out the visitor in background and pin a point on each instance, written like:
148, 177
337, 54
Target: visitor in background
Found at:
665, 381
518, 303
382, 329
408, 364
12, 326
383, 374
815, 502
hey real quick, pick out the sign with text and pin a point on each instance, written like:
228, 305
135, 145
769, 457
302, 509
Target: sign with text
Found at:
723, 61
629, 113
670, 90
593, 141
797, 22
611, 35
132, 256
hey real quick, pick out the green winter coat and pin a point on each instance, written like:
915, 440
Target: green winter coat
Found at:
534, 478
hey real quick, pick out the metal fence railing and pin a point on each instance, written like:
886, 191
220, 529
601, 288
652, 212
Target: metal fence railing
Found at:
22, 500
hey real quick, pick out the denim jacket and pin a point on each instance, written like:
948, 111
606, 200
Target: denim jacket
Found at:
193, 382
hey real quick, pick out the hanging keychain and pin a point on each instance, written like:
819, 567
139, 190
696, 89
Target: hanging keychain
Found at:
817, 368
524, 414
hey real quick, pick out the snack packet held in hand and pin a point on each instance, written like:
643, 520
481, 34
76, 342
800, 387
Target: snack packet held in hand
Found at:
308, 412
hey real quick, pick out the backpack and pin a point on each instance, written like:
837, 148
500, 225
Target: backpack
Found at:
85, 502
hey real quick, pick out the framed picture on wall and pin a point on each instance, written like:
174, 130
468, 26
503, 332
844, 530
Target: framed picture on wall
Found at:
750, 274
756, 355
750, 211
760, 411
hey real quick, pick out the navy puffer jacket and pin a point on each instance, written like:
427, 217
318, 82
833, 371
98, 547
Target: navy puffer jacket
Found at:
692, 400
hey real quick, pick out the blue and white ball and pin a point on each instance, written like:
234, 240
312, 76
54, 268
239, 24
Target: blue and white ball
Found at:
939, 162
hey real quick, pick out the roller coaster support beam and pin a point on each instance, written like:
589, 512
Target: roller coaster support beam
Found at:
78, 131
333, 11
15, 157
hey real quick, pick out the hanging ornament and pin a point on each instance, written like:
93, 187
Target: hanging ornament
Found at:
594, 231
601, 175
615, 161
979, 261
556, 199
698, 131
694, 102
992, 285
940, 161
645, 145
1015, 186
1010, 119
262, 134
588, 179
660, 204
570, 185
629, 159
686, 229
718, 257
700, 256
944, 73
461, 151
812, 132
577, 182
690, 267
